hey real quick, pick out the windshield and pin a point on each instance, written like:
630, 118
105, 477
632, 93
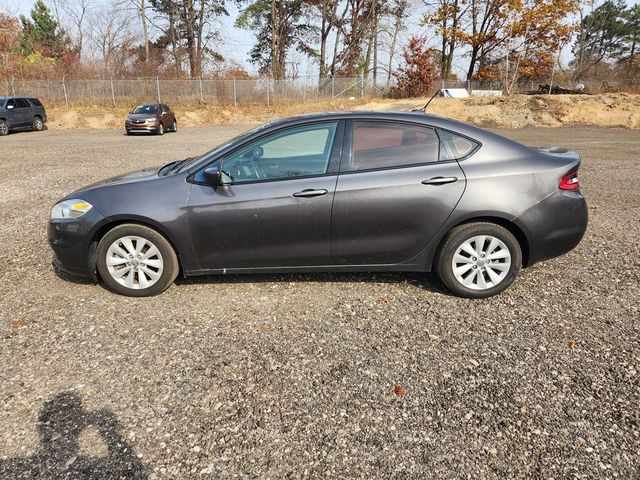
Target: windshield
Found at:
188, 163
146, 109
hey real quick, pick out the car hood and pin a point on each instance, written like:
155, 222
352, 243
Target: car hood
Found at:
143, 175
141, 116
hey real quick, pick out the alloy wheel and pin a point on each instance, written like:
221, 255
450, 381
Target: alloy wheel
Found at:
481, 262
134, 262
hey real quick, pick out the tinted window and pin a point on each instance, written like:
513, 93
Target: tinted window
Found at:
454, 146
22, 103
146, 109
385, 144
296, 152
35, 102
11, 102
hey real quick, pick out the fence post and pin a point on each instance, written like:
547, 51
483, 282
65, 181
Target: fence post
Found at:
362, 85
113, 94
13, 88
158, 87
268, 92
235, 94
200, 83
333, 87
64, 91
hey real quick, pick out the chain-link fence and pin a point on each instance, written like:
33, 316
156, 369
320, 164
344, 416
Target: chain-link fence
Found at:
230, 92
234, 92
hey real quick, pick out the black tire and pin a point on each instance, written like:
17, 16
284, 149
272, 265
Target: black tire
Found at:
456, 238
160, 130
4, 128
174, 126
38, 124
128, 132
168, 256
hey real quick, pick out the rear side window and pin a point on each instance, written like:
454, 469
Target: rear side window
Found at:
22, 103
387, 144
455, 147
35, 102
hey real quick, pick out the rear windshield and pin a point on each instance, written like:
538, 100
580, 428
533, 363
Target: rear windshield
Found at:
146, 109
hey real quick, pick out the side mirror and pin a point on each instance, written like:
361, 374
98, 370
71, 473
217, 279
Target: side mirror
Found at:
216, 177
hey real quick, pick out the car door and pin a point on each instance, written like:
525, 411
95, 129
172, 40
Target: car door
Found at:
24, 112
393, 194
276, 211
165, 116
13, 114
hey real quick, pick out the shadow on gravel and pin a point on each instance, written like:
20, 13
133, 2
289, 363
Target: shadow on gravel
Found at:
428, 281
60, 423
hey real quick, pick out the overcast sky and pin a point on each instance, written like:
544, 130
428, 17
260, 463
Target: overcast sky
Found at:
237, 43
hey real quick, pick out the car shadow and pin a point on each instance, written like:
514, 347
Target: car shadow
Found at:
428, 281
67, 277
60, 423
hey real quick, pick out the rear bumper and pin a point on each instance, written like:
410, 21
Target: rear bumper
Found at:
554, 226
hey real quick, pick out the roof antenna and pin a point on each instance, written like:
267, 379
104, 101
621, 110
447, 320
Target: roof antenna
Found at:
424, 109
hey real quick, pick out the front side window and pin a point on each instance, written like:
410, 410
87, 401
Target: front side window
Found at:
295, 152
387, 145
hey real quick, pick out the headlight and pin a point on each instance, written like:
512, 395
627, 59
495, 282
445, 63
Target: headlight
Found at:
152, 120
72, 208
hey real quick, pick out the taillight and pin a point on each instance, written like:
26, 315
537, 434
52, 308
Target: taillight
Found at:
570, 181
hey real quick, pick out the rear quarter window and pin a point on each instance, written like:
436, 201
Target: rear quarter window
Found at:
455, 147
35, 102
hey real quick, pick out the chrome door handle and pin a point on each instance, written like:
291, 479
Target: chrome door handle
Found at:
310, 193
440, 180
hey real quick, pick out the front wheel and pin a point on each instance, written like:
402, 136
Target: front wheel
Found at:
136, 261
160, 130
478, 260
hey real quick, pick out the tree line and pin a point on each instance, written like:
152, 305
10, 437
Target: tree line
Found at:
401, 42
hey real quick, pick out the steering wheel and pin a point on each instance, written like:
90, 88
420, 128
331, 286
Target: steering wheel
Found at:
252, 162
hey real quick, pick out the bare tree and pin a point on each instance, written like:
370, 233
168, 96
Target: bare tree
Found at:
112, 35
75, 13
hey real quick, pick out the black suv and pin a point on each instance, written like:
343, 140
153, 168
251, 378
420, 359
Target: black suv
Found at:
21, 112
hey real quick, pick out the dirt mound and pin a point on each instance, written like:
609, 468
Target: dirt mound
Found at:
609, 110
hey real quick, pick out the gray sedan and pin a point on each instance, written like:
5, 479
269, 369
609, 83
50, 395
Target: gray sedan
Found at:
331, 192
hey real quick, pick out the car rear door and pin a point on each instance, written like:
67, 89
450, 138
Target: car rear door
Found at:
24, 112
393, 194
276, 213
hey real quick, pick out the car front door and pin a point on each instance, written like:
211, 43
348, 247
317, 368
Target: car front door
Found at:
393, 193
276, 210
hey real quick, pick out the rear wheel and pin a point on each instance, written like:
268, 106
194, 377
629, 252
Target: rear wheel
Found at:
4, 128
38, 124
160, 130
136, 261
174, 126
478, 260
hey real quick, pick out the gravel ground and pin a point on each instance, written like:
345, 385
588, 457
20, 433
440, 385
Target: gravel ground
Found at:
289, 376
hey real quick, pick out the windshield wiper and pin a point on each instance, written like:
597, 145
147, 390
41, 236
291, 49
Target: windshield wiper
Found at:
177, 166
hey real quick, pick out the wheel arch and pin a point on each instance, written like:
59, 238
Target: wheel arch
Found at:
145, 222
514, 229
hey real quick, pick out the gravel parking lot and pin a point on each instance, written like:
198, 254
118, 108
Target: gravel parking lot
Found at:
340, 376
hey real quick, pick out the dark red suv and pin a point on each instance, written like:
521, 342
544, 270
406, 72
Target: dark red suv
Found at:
151, 118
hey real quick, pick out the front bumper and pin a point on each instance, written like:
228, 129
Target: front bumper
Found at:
554, 226
72, 242
140, 127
